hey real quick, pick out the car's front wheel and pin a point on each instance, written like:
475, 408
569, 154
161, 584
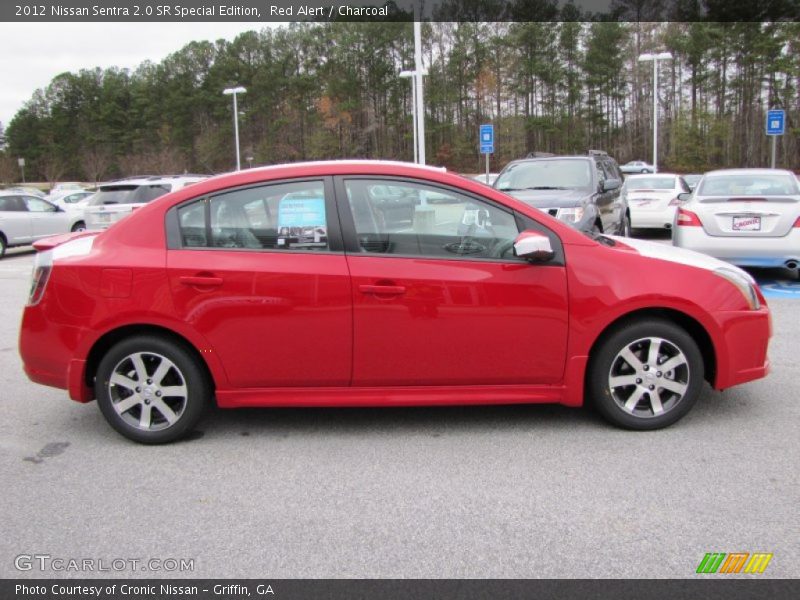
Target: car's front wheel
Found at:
646, 375
2, 246
151, 389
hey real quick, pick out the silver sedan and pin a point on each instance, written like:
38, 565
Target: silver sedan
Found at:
748, 217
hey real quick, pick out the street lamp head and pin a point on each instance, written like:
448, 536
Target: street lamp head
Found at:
235, 90
647, 56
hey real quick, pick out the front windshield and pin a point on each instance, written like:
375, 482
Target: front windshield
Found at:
767, 184
546, 174
650, 183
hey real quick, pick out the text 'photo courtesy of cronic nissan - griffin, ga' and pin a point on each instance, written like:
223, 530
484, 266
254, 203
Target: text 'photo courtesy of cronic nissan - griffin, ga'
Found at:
372, 283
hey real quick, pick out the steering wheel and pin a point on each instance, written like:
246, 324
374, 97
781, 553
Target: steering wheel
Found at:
501, 249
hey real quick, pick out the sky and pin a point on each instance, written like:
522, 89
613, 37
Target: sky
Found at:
34, 53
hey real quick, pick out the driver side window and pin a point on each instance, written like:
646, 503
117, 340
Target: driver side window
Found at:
413, 219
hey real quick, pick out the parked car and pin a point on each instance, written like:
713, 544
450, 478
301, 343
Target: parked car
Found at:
72, 200
25, 219
637, 166
66, 186
203, 296
653, 199
27, 190
692, 179
583, 191
748, 217
116, 200
488, 179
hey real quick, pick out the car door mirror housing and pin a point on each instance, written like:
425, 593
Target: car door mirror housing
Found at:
684, 196
611, 184
533, 246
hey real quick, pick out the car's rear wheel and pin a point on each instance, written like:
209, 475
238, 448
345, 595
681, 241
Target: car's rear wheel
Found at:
151, 390
2, 246
646, 375
79, 226
625, 226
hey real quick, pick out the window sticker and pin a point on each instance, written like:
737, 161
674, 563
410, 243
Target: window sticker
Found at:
301, 222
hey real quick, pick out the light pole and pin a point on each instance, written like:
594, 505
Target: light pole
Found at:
228, 92
405, 74
655, 58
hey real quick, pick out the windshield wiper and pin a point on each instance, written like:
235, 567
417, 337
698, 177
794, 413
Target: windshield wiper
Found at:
546, 187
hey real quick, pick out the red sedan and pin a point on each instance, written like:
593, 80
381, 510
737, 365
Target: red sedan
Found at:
361, 283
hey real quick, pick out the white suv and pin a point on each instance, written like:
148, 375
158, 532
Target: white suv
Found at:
116, 200
25, 218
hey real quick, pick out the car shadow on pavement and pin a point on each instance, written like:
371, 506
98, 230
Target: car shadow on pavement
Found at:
404, 420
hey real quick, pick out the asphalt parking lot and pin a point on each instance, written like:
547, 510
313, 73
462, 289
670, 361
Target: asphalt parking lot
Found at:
488, 492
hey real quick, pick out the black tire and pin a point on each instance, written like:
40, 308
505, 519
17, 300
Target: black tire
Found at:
639, 387
2, 246
625, 226
171, 406
79, 226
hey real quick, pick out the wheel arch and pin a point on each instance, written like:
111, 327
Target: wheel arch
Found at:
693, 327
104, 343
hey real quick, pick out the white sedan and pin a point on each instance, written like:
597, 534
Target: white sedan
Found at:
25, 219
653, 199
637, 166
748, 217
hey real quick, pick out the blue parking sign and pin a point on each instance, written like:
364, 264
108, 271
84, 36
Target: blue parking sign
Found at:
776, 122
486, 139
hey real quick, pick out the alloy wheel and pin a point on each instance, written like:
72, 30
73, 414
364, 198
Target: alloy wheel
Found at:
148, 391
649, 377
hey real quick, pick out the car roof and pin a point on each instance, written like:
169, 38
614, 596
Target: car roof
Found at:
651, 175
753, 171
152, 180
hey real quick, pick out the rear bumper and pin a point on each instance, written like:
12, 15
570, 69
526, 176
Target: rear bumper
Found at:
47, 352
652, 219
742, 251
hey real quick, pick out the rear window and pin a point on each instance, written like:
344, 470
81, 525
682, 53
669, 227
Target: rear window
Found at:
748, 185
651, 183
129, 194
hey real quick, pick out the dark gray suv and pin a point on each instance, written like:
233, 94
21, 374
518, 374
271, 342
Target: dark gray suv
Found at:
583, 191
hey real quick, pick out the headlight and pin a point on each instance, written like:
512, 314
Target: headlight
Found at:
570, 215
744, 283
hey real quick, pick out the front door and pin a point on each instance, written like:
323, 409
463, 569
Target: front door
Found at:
439, 298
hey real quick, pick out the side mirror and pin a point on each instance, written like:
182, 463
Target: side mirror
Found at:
684, 196
533, 246
611, 184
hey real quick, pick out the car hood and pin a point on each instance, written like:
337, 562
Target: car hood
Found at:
678, 255
550, 198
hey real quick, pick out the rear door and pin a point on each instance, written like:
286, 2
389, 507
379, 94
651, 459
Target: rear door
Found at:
260, 272
15, 220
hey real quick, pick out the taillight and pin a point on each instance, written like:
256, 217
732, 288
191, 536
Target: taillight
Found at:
797, 222
41, 274
687, 218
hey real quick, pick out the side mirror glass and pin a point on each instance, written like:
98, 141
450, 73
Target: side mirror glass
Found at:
611, 184
533, 246
684, 196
